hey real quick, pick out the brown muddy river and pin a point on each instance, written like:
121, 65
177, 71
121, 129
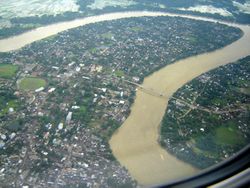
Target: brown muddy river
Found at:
135, 143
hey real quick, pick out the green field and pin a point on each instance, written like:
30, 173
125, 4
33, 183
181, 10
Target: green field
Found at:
31, 83
8, 71
137, 29
107, 35
7, 100
119, 73
228, 135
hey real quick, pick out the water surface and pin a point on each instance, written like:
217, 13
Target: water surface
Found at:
135, 143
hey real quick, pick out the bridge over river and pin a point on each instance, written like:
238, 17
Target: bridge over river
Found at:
147, 90
192, 106
135, 144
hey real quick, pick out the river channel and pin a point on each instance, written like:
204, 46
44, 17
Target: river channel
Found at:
135, 143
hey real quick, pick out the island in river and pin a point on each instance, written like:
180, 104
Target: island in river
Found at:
19, 16
60, 140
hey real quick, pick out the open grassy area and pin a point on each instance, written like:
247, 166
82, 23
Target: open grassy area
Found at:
119, 73
31, 83
206, 153
137, 29
245, 91
228, 135
8, 71
93, 50
7, 101
107, 35
4, 108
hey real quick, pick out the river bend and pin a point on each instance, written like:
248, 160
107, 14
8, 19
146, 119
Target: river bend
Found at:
135, 143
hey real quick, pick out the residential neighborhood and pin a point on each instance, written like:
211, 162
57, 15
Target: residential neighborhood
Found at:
213, 123
67, 95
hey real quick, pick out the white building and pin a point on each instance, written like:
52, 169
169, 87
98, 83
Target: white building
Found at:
69, 117
51, 90
60, 126
39, 89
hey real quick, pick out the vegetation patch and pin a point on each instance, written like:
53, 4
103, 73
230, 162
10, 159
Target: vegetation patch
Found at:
8, 71
136, 29
15, 125
107, 35
245, 91
228, 135
217, 127
7, 101
99, 101
119, 73
31, 83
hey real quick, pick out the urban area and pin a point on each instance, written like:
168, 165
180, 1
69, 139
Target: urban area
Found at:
210, 115
63, 97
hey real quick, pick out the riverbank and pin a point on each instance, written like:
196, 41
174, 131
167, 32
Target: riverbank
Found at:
135, 144
19, 41
211, 119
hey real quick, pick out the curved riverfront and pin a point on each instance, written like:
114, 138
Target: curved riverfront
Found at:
135, 143
19, 41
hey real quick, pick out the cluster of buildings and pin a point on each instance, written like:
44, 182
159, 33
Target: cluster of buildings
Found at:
224, 94
64, 127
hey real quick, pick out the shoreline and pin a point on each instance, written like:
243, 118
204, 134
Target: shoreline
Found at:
156, 159
135, 144
53, 29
